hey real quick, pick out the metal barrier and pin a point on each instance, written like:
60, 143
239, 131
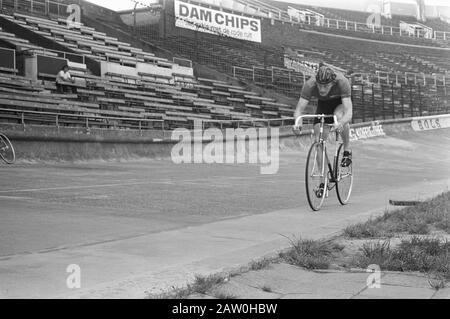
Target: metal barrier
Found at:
441, 35
89, 121
61, 54
264, 75
68, 55
365, 111
364, 27
379, 77
247, 123
45, 7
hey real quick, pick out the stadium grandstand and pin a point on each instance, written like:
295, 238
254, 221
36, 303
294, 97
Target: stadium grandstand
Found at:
155, 68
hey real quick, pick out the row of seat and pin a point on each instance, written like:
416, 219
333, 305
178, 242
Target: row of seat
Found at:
291, 85
404, 101
369, 62
87, 41
387, 95
21, 44
208, 100
122, 97
173, 100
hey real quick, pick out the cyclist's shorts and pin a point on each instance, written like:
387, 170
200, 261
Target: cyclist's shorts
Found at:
327, 108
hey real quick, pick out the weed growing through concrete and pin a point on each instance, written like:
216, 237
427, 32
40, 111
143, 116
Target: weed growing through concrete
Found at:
416, 220
426, 255
310, 254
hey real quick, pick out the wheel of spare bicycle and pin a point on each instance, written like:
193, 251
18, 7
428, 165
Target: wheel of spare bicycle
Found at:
344, 178
7, 152
314, 177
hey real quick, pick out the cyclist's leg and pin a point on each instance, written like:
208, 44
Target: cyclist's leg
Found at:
345, 134
326, 131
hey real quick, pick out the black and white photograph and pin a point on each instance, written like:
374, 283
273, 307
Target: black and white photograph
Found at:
223, 157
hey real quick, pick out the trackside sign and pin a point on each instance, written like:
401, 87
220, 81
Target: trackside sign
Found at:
430, 123
300, 66
364, 132
193, 17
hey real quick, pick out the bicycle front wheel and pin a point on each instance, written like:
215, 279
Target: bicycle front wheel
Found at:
7, 152
344, 181
316, 178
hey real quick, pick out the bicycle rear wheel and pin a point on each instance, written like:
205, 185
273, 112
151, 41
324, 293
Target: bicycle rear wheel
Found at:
344, 181
7, 152
315, 176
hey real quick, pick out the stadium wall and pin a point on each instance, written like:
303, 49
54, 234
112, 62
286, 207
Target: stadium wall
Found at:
40, 143
143, 17
102, 13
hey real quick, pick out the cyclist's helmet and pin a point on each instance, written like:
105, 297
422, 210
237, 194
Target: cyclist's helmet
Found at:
325, 75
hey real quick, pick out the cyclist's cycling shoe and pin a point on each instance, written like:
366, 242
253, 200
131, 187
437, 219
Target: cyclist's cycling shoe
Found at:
347, 159
320, 190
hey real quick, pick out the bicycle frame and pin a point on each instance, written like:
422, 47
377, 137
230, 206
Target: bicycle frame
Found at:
323, 143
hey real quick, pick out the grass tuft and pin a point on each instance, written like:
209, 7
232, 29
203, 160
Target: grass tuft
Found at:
202, 285
427, 255
259, 264
415, 220
310, 254
437, 281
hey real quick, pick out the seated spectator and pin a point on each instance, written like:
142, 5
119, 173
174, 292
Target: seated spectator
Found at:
63, 81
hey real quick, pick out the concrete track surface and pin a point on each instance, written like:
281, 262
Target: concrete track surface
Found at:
144, 226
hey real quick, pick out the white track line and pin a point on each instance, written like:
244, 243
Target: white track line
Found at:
166, 182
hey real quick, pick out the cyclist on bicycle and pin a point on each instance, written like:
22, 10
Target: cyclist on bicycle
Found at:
333, 91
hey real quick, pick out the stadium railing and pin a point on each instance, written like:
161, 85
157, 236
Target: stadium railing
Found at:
73, 57
45, 7
86, 121
379, 77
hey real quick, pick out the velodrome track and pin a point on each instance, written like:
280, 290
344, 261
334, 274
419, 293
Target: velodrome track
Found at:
142, 226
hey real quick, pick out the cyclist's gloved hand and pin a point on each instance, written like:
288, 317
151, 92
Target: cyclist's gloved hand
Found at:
298, 126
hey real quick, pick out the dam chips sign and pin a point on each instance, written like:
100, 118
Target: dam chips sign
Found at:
198, 18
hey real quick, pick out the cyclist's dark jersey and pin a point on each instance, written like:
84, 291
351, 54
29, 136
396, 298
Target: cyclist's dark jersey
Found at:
341, 89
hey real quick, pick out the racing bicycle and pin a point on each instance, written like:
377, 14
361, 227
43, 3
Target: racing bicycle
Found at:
7, 152
322, 175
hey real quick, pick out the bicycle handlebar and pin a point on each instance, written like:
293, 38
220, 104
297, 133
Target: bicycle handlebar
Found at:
300, 118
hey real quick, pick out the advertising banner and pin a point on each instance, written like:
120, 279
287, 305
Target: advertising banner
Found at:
198, 18
430, 123
302, 66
